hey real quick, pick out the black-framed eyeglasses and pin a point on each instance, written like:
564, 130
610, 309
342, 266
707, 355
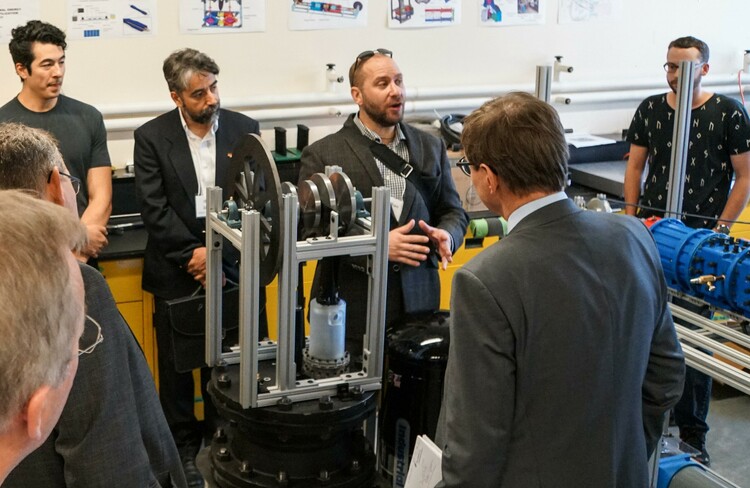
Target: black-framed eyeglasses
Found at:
671, 67
365, 55
464, 165
76, 182
90, 338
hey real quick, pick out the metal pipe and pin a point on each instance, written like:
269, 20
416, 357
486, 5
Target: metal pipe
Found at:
543, 84
680, 138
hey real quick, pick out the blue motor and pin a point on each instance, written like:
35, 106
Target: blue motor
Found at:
705, 264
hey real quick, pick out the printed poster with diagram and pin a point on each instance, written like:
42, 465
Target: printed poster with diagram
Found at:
339, 14
404, 14
222, 16
14, 13
501, 13
93, 19
572, 11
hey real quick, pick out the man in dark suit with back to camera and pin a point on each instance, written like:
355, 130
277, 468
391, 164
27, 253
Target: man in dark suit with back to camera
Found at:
177, 156
718, 152
421, 217
41, 321
563, 356
112, 431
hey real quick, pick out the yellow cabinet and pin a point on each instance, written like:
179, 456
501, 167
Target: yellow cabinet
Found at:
135, 305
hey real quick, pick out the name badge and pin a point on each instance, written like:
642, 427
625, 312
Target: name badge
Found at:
200, 206
397, 206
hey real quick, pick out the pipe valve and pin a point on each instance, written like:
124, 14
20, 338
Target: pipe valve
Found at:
332, 76
561, 68
707, 280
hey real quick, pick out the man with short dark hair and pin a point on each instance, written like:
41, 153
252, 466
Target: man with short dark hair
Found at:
113, 411
427, 222
177, 157
41, 320
38, 52
555, 378
718, 150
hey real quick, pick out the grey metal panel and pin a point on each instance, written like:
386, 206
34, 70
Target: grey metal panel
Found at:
606, 176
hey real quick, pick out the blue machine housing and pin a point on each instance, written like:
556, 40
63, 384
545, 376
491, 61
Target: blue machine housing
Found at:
688, 253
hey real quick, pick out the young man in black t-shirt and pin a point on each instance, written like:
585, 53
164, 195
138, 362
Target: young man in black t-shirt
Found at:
718, 150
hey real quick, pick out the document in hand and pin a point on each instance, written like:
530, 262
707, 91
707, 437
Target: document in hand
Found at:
425, 467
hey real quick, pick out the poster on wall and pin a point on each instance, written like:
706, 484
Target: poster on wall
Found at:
222, 16
93, 19
405, 14
14, 13
339, 14
501, 13
571, 11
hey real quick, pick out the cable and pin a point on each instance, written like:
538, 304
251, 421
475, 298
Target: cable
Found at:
451, 136
683, 214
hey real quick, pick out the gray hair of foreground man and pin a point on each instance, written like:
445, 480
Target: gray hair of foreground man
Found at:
521, 138
27, 157
181, 65
38, 305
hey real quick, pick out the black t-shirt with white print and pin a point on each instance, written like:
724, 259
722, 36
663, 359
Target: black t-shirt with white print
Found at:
718, 129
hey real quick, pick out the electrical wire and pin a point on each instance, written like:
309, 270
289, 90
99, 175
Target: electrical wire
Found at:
677, 214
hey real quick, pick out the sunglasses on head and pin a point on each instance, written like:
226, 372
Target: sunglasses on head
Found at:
365, 55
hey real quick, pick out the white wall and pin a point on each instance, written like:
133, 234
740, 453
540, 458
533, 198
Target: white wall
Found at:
257, 67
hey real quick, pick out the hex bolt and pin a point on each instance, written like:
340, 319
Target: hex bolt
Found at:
282, 478
220, 435
285, 404
224, 381
324, 476
246, 468
355, 465
223, 454
325, 403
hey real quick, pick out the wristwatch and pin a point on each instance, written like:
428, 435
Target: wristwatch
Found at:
722, 229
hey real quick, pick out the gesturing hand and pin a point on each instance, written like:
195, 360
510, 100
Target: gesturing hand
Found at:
442, 241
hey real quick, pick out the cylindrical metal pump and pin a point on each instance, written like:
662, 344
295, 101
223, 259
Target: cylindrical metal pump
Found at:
327, 330
417, 355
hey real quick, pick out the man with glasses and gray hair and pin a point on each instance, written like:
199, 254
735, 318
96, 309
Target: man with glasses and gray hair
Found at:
41, 321
112, 431
555, 378
376, 148
718, 150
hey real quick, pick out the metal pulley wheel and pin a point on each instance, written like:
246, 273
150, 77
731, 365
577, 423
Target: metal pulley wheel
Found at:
254, 184
316, 199
310, 208
346, 203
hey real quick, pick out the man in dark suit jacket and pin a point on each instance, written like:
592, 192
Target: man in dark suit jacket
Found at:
112, 431
177, 157
427, 223
563, 356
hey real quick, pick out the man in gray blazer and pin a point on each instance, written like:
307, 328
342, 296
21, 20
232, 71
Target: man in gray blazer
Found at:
563, 356
427, 223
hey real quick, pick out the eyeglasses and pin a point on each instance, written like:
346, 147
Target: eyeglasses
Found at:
671, 67
365, 55
75, 182
88, 341
464, 165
